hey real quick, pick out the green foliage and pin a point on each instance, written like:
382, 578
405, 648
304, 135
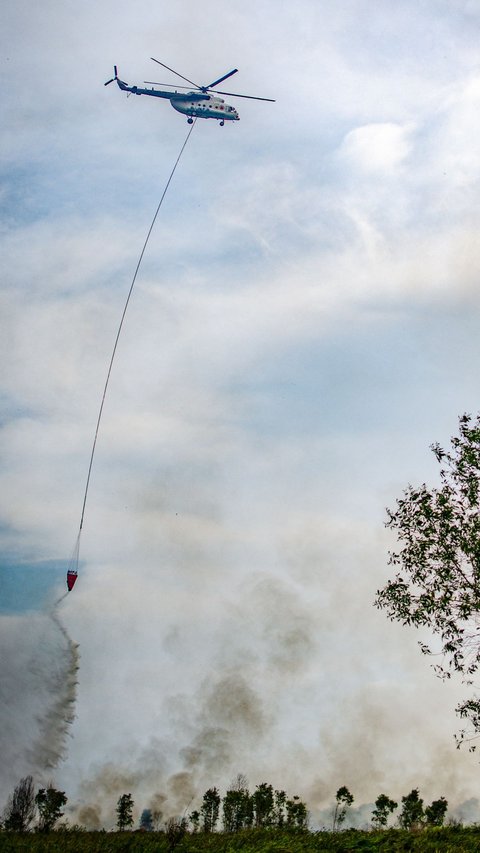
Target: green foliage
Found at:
429, 840
344, 800
412, 814
237, 809
194, 818
13, 822
263, 805
297, 814
384, 807
280, 805
435, 813
265, 808
437, 583
49, 802
210, 809
124, 811
20, 809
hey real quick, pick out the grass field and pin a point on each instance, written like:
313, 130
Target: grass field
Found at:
434, 840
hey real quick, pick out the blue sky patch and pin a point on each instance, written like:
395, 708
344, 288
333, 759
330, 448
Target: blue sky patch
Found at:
27, 586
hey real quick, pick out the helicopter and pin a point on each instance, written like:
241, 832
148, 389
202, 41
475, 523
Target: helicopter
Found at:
198, 103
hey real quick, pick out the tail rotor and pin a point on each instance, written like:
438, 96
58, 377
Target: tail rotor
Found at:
113, 79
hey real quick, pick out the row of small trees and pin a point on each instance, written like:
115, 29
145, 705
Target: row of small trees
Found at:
412, 816
269, 808
266, 807
238, 809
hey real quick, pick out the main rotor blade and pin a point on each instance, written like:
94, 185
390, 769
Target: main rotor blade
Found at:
221, 79
152, 83
235, 95
175, 72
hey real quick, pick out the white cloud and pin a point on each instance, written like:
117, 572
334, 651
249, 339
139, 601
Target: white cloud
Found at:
379, 147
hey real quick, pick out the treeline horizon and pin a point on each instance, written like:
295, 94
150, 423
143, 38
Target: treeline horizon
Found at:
239, 810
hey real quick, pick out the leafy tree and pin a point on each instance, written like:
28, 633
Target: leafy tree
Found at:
124, 811
435, 814
146, 820
297, 814
263, 805
412, 814
384, 807
437, 584
280, 798
264, 808
237, 809
49, 802
344, 800
20, 809
210, 809
194, 818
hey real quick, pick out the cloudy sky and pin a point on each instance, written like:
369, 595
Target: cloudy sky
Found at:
303, 327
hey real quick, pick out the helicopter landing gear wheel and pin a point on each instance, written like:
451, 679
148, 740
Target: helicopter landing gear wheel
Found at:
222, 123
190, 120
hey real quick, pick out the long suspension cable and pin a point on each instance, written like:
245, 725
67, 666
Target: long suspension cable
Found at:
76, 551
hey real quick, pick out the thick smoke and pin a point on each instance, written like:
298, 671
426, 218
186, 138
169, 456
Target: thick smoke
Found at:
228, 713
207, 737
211, 666
280, 673
38, 682
283, 675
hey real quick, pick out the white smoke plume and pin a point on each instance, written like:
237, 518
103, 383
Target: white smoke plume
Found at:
38, 682
286, 690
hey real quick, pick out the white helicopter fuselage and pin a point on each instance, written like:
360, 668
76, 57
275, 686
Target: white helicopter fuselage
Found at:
209, 108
